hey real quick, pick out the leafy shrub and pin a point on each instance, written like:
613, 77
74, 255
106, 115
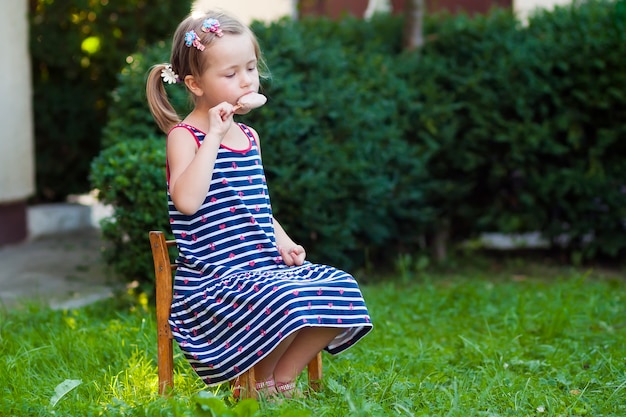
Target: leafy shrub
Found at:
528, 125
335, 159
129, 116
130, 170
343, 179
131, 176
371, 151
580, 177
77, 49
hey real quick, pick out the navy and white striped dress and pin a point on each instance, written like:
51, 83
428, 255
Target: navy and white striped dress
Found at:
234, 298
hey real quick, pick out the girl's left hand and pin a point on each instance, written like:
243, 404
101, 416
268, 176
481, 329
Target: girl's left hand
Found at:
293, 256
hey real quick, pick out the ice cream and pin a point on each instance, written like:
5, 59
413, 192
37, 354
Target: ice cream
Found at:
250, 101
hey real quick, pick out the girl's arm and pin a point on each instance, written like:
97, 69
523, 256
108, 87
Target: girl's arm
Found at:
191, 168
292, 253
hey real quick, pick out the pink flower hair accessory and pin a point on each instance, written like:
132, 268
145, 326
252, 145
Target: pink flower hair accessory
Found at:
192, 39
213, 26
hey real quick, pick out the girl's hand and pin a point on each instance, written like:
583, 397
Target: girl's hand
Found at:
293, 256
220, 119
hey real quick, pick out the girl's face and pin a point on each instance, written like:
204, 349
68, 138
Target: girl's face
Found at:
232, 70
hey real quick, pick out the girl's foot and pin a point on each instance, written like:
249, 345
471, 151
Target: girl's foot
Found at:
266, 389
288, 390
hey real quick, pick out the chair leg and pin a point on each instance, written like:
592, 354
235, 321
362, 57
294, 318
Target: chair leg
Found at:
163, 280
244, 385
165, 364
315, 372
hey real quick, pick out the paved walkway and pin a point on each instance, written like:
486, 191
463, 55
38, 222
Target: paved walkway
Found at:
63, 270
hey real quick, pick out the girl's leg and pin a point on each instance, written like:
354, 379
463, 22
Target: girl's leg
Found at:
308, 343
264, 370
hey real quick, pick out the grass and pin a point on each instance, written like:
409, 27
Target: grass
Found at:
500, 339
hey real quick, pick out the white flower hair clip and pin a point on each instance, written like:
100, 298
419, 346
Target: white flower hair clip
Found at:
168, 75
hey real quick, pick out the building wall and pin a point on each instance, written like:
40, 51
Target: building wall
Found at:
467, 6
525, 7
338, 8
248, 10
16, 137
268, 10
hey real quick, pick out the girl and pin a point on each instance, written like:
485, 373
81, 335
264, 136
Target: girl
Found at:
244, 296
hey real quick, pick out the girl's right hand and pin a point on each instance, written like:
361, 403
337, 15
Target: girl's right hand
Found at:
220, 120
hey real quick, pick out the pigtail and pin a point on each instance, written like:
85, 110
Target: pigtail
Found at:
158, 101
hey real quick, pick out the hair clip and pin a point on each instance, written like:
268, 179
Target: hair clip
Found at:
212, 25
168, 75
192, 39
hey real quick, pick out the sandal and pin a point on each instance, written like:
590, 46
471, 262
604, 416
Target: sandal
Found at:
266, 389
288, 390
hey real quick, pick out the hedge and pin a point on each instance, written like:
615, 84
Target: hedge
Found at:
371, 152
78, 47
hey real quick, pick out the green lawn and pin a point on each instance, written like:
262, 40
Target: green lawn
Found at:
500, 340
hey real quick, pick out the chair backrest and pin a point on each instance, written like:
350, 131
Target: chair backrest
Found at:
163, 268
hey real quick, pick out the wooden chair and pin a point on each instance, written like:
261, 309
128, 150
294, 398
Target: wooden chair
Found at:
163, 269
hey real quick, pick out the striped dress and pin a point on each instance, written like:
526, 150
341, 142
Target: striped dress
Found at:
234, 298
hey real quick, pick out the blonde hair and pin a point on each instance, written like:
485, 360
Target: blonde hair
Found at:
187, 60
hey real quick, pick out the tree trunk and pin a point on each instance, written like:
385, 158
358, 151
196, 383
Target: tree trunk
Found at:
294, 9
440, 240
414, 11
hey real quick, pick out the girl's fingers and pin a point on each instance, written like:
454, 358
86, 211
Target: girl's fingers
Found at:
284, 255
299, 259
297, 255
226, 114
294, 256
287, 259
224, 111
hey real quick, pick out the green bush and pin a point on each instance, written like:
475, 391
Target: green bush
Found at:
130, 171
77, 49
131, 176
129, 116
458, 76
335, 159
371, 151
581, 172
524, 122
343, 179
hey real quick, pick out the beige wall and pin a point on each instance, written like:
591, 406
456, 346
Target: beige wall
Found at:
524, 7
16, 132
248, 10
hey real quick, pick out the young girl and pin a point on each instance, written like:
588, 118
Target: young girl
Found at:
244, 296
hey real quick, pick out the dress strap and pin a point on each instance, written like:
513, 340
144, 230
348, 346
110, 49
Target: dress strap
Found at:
247, 131
197, 133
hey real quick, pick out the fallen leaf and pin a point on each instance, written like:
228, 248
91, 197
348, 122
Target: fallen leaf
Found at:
62, 389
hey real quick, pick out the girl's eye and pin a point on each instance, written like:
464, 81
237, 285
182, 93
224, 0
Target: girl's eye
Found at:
230, 75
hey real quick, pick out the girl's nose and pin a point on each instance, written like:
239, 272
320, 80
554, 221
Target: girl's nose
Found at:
246, 79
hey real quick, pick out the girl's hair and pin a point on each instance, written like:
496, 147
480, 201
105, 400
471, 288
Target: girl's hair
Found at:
188, 60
